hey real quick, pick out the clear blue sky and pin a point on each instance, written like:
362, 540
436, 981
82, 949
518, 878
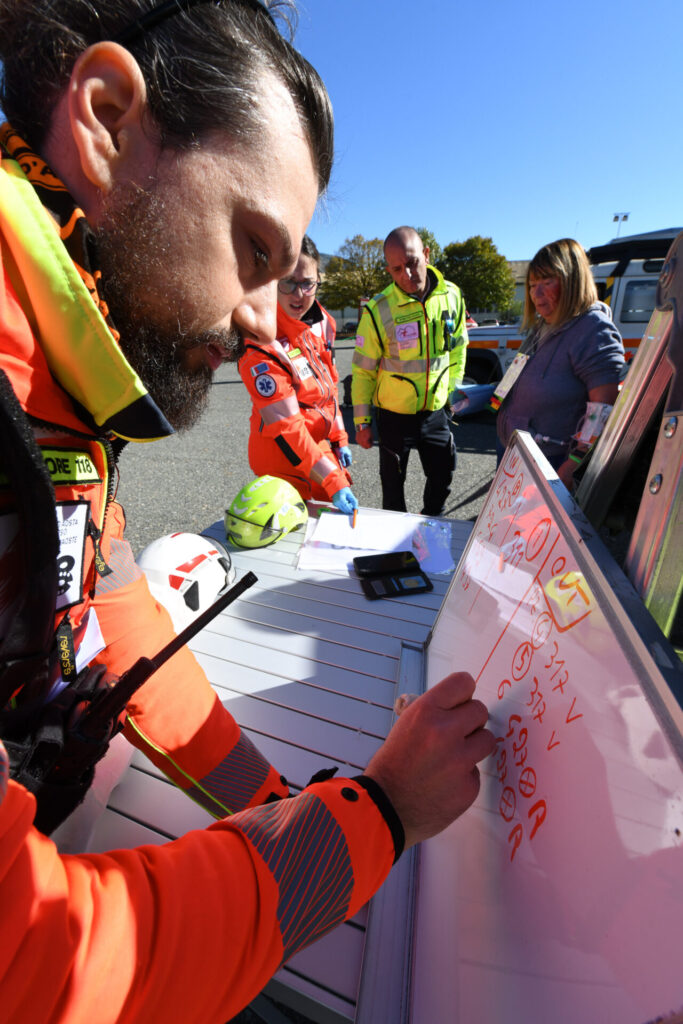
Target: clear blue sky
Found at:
525, 121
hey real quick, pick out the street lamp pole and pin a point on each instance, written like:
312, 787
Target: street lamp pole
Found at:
620, 218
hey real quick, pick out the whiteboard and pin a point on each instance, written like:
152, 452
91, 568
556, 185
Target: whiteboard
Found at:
559, 895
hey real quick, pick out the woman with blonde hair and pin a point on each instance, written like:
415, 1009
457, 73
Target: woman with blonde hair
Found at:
574, 356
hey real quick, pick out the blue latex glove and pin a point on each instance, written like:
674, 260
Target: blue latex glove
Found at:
345, 457
345, 500
458, 401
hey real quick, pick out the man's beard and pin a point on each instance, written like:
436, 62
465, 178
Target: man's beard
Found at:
134, 239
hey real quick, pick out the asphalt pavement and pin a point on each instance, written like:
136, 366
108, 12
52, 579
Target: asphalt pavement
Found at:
186, 481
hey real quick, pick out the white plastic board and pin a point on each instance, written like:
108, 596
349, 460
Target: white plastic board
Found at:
559, 895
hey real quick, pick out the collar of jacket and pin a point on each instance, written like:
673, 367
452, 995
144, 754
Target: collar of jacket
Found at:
315, 315
74, 339
288, 326
403, 299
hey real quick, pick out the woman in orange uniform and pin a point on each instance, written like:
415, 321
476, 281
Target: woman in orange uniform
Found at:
297, 431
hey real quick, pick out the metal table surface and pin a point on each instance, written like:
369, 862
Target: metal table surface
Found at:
310, 669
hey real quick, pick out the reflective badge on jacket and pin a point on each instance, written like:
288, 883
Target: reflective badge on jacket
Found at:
72, 523
70, 466
265, 385
407, 332
302, 367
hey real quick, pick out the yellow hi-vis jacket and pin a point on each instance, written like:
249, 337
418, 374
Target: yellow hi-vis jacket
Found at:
409, 354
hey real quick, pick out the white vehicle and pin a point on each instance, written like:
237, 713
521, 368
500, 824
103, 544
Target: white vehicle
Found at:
626, 271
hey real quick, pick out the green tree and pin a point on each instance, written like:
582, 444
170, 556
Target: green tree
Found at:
481, 273
430, 242
356, 271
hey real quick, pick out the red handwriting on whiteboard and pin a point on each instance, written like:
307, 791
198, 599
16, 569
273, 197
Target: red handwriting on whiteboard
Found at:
521, 660
511, 462
518, 788
536, 702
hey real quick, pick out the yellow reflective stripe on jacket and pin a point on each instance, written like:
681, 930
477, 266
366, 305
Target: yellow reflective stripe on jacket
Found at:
78, 345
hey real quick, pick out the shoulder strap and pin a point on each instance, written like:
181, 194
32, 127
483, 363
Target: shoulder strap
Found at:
25, 648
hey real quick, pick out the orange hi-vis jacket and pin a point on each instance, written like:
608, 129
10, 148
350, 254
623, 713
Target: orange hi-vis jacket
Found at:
189, 931
296, 423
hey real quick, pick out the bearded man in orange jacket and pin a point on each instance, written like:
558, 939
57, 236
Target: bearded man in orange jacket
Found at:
158, 172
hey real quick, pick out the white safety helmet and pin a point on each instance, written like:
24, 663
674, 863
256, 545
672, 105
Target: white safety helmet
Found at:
186, 573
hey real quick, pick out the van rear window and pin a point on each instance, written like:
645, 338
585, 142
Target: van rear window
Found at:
639, 301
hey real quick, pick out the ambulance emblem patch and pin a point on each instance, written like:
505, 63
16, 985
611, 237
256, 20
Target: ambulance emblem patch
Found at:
407, 332
265, 385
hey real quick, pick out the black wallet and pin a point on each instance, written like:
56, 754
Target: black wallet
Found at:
394, 574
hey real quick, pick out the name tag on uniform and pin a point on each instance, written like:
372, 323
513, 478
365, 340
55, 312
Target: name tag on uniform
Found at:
511, 374
406, 333
302, 367
72, 524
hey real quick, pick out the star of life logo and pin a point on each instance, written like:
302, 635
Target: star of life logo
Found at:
265, 385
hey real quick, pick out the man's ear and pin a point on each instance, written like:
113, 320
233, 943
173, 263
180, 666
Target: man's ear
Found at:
107, 101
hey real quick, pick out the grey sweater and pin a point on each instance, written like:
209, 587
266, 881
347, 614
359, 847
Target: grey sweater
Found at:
549, 397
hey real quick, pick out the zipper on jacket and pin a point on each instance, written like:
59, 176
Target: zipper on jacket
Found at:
424, 309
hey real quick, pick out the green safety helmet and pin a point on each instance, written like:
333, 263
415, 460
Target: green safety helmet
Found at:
265, 510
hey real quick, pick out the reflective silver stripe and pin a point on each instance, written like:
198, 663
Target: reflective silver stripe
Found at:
124, 569
386, 316
364, 362
361, 410
313, 891
440, 363
436, 364
234, 782
280, 410
322, 468
339, 422
403, 365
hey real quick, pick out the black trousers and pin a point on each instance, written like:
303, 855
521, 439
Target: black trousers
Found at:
430, 434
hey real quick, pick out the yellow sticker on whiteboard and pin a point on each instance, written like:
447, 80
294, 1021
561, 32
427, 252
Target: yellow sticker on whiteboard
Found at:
569, 598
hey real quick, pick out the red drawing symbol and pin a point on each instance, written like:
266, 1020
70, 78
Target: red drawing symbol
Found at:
527, 783
516, 835
508, 803
521, 660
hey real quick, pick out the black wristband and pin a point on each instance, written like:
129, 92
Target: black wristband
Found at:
386, 809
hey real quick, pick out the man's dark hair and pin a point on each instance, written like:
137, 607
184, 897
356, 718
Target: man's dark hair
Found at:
202, 67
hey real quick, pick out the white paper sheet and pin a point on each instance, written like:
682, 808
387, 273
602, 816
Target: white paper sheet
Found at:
332, 542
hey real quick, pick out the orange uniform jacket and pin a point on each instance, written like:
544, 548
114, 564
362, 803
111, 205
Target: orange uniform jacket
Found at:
192, 930
295, 419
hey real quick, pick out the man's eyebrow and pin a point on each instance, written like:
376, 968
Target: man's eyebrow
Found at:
287, 254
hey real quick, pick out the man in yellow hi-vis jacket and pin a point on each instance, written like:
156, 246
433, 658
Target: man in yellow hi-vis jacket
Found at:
410, 355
